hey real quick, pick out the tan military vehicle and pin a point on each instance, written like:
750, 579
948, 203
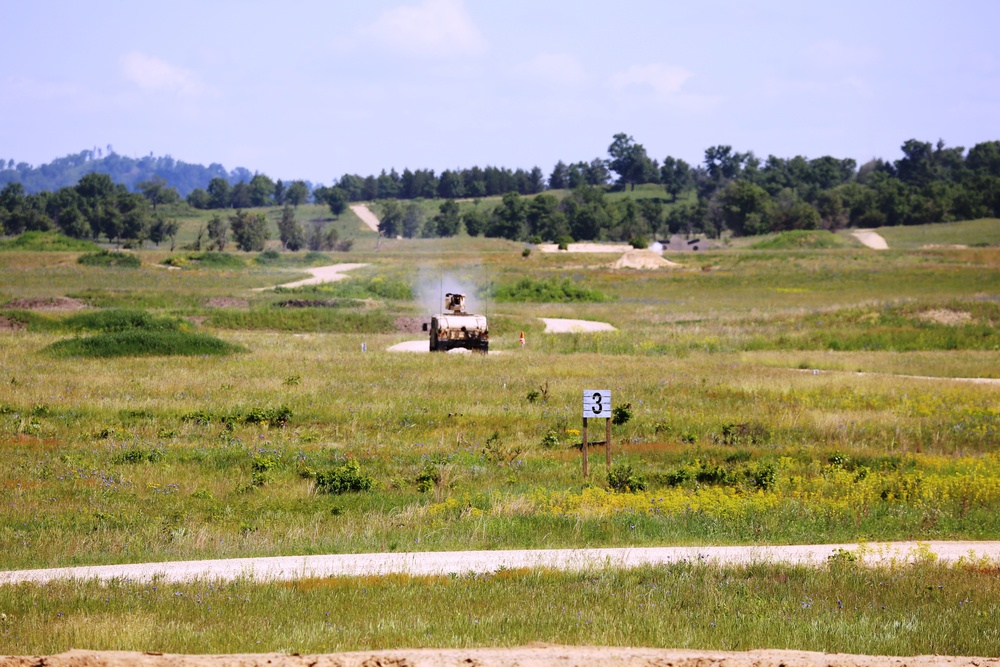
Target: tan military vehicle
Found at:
457, 329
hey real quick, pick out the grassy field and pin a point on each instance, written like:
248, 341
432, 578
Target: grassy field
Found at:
749, 424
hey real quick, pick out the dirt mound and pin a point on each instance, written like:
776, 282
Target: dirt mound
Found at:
412, 325
10, 325
46, 303
642, 259
535, 655
948, 317
226, 302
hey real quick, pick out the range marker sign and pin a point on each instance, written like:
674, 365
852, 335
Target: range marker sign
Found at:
597, 404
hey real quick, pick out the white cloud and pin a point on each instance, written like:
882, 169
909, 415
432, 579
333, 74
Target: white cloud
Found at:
431, 28
665, 80
560, 68
154, 74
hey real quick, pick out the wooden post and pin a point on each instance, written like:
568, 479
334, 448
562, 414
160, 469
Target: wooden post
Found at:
586, 471
607, 442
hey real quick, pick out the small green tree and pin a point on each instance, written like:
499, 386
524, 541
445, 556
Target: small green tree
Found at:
249, 230
289, 230
218, 233
447, 222
391, 221
297, 193
413, 220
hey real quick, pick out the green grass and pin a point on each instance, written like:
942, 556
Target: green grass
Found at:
327, 320
800, 239
925, 609
128, 459
972, 233
546, 291
108, 258
46, 241
142, 343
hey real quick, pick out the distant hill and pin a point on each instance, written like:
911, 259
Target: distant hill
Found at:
66, 171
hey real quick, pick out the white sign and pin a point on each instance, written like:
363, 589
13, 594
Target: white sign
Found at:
597, 403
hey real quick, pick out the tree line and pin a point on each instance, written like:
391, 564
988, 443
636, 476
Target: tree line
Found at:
730, 191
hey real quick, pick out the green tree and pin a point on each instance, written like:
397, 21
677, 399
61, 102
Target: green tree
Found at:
280, 191
289, 230
239, 196
218, 232
508, 218
475, 221
134, 218
249, 230
261, 190
156, 191
390, 223
199, 198
630, 161
744, 208
218, 193
297, 193
447, 222
337, 199
163, 228
559, 178
322, 236
675, 175
413, 220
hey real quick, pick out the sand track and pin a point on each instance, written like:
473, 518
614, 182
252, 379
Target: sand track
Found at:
870, 238
286, 568
320, 274
366, 215
560, 325
535, 655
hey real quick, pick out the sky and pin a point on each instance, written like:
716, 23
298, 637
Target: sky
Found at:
315, 89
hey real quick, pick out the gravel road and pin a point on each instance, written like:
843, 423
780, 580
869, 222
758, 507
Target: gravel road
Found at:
461, 562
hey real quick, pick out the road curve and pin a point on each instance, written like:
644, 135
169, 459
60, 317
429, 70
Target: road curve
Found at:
284, 568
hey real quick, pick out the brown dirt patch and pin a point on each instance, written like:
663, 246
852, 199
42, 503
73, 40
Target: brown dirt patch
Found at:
642, 259
7, 324
413, 325
524, 656
944, 316
226, 302
46, 303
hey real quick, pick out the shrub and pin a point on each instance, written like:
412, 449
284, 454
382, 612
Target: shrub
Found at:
139, 343
138, 455
526, 252
262, 468
268, 416
621, 414
119, 319
622, 479
547, 291
346, 478
550, 440
639, 243
109, 259
41, 241
762, 476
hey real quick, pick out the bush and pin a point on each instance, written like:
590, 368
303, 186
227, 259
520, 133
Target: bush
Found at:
622, 479
346, 478
109, 259
210, 260
639, 243
119, 319
621, 414
138, 455
42, 241
547, 291
139, 343
268, 416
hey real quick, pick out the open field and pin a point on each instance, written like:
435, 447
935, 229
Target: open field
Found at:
749, 425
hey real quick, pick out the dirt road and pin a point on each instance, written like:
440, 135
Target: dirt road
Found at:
285, 568
366, 216
559, 325
870, 238
536, 655
320, 274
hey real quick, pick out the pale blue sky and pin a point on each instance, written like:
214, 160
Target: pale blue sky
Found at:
311, 90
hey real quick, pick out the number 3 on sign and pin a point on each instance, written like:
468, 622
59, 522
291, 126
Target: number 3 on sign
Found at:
597, 403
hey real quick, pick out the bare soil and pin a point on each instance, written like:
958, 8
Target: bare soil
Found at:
7, 324
536, 655
413, 325
643, 259
226, 302
46, 303
366, 216
870, 238
560, 325
946, 317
